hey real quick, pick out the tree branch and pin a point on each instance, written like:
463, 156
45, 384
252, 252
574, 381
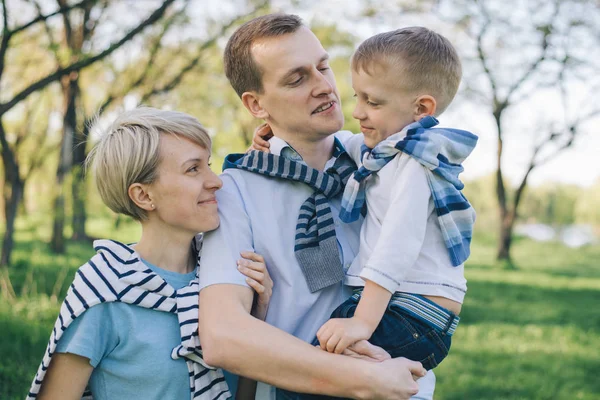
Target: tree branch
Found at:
176, 80
41, 18
5, 37
546, 33
481, 54
76, 66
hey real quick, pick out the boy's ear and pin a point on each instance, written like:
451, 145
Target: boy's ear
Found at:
424, 105
138, 193
252, 103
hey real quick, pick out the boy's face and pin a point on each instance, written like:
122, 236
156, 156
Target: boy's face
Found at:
300, 95
383, 107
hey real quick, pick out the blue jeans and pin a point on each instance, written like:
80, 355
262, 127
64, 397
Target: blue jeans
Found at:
401, 333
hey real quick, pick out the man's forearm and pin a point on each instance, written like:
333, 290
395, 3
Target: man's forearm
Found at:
234, 340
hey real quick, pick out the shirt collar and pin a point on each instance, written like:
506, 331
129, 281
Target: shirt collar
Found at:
280, 147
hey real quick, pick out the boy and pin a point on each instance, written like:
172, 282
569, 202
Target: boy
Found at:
416, 235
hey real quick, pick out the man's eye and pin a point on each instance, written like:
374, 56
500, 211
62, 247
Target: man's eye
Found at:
296, 82
324, 68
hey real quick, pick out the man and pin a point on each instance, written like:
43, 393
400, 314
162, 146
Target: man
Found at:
281, 73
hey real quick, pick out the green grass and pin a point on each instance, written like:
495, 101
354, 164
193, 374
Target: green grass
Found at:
527, 333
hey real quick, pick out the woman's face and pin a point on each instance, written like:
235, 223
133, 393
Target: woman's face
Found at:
184, 193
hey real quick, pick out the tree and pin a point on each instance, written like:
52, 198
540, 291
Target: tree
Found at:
14, 95
551, 43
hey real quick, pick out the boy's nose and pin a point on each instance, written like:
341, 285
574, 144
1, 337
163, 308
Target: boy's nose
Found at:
358, 113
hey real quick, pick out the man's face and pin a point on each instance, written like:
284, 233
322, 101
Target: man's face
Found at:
299, 92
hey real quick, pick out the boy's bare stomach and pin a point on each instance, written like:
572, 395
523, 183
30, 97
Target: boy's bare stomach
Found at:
448, 304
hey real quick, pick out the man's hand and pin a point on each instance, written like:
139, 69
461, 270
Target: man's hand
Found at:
260, 139
339, 333
366, 351
395, 379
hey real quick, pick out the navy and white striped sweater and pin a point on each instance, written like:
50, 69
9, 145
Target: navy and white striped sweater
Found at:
116, 273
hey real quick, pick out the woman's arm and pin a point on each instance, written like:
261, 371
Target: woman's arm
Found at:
66, 378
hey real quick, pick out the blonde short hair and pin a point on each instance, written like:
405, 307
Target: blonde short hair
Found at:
422, 58
128, 153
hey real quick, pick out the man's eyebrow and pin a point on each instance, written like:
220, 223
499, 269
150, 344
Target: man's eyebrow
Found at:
301, 69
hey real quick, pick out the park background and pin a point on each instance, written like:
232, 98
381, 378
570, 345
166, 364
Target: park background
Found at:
530, 326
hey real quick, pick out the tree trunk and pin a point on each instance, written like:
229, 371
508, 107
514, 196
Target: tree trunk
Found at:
13, 192
78, 188
70, 91
504, 241
12, 201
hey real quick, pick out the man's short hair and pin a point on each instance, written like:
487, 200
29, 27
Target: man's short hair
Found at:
129, 152
241, 68
423, 59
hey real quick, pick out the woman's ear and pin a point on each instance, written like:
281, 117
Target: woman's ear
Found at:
138, 193
251, 101
424, 105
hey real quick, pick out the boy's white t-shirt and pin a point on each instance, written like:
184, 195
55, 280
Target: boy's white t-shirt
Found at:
401, 244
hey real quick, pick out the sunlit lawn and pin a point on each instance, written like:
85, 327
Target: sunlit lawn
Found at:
532, 333
529, 333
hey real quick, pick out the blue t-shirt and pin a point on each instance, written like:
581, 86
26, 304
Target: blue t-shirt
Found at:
130, 348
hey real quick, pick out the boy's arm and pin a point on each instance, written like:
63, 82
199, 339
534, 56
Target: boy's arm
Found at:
339, 333
403, 227
397, 249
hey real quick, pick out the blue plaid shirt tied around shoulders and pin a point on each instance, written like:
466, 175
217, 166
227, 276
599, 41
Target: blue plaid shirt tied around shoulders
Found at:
315, 245
440, 151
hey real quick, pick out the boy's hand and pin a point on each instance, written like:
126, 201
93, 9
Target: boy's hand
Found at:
339, 333
257, 276
260, 139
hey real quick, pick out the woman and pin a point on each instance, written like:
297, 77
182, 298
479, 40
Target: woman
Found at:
128, 326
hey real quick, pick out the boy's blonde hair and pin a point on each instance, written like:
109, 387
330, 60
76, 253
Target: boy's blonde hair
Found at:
128, 153
423, 59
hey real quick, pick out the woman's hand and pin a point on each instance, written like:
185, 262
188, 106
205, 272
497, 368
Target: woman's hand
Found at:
257, 276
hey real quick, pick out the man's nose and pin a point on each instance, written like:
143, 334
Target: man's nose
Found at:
322, 86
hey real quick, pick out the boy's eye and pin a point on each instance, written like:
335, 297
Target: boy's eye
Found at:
193, 169
370, 103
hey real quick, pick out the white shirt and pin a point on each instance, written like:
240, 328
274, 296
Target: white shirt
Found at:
259, 213
401, 243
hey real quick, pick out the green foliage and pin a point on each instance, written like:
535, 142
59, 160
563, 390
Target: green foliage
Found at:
552, 204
